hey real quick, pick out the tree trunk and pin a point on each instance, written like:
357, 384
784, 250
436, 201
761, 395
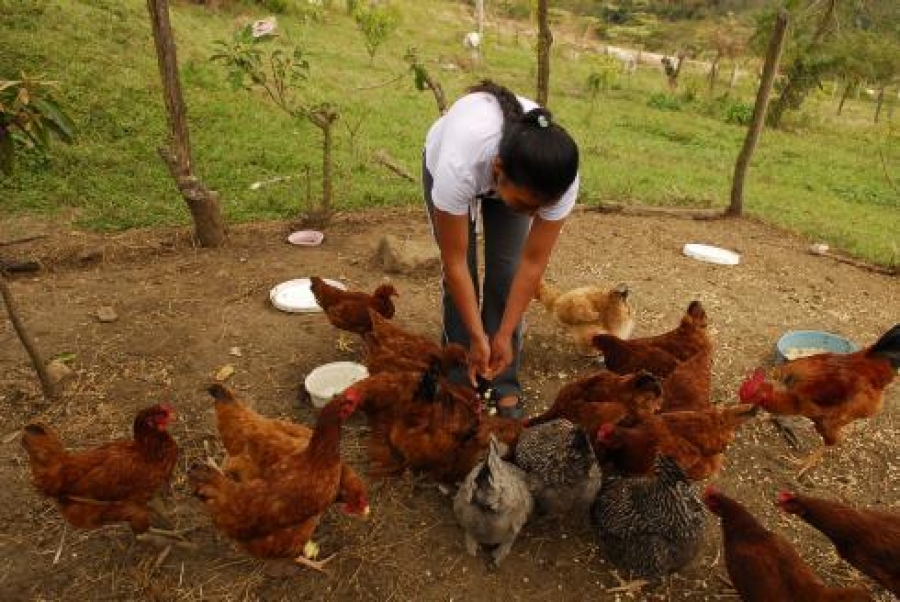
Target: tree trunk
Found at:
879, 102
734, 76
545, 40
847, 89
47, 385
324, 118
681, 56
479, 17
793, 94
773, 54
713, 72
203, 203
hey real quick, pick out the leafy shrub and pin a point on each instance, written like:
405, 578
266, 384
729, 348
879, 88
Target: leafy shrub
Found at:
663, 101
690, 91
377, 23
605, 76
29, 117
738, 113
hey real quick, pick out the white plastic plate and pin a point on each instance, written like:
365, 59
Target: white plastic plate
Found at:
711, 254
295, 296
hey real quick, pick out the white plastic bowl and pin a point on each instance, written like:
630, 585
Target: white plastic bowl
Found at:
329, 380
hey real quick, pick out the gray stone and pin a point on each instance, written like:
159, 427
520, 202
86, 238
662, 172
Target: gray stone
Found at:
398, 256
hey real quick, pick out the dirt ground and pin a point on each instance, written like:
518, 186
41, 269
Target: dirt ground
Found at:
182, 311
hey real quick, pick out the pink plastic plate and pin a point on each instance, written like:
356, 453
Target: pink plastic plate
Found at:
306, 238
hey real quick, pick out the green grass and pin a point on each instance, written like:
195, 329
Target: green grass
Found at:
823, 178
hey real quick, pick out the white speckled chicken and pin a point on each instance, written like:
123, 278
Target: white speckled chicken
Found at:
492, 504
560, 463
651, 526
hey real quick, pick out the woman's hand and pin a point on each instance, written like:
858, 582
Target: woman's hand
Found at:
501, 354
479, 359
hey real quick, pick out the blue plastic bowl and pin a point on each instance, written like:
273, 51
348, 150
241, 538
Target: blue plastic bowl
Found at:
812, 339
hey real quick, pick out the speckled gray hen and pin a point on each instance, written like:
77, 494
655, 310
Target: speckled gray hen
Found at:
651, 526
492, 504
560, 463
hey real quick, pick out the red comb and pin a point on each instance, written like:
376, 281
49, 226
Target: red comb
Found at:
750, 387
786, 496
604, 433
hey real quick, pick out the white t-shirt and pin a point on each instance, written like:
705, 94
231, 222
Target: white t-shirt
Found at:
459, 152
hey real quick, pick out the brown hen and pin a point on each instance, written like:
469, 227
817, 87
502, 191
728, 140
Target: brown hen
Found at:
108, 484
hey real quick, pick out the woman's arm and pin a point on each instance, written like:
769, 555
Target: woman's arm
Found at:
535, 257
452, 232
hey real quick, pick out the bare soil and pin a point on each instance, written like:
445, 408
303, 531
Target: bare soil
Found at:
186, 312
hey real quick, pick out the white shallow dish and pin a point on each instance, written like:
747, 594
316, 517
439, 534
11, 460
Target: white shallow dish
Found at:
329, 380
711, 254
295, 296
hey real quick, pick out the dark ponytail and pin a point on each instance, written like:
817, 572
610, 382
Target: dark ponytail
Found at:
509, 104
536, 153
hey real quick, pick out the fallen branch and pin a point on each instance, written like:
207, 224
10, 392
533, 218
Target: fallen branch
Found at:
644, 210
12, 266
383, 158
887, 271
46, 382
18, 241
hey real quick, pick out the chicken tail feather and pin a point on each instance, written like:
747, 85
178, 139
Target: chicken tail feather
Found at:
42, 444
888, 346
220, 393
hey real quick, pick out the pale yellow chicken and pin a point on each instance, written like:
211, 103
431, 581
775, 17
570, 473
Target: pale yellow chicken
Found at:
588, 311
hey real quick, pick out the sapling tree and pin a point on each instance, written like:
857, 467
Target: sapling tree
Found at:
377, 22
254, 64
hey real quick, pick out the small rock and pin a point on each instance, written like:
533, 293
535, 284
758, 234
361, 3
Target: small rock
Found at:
58, 371
224, 373
236, 352
409, 257
107, 314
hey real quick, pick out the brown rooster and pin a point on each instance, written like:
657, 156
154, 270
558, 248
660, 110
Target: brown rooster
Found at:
867, 538
349, 310
763, 566
831, 389
657, 354
275, 516
108, 484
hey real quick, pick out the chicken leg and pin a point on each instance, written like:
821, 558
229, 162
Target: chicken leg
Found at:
308, 558
811, 461
786, 427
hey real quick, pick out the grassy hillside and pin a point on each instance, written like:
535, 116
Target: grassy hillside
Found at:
825, 178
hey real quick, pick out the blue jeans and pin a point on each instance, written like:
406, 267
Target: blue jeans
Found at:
505, 232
